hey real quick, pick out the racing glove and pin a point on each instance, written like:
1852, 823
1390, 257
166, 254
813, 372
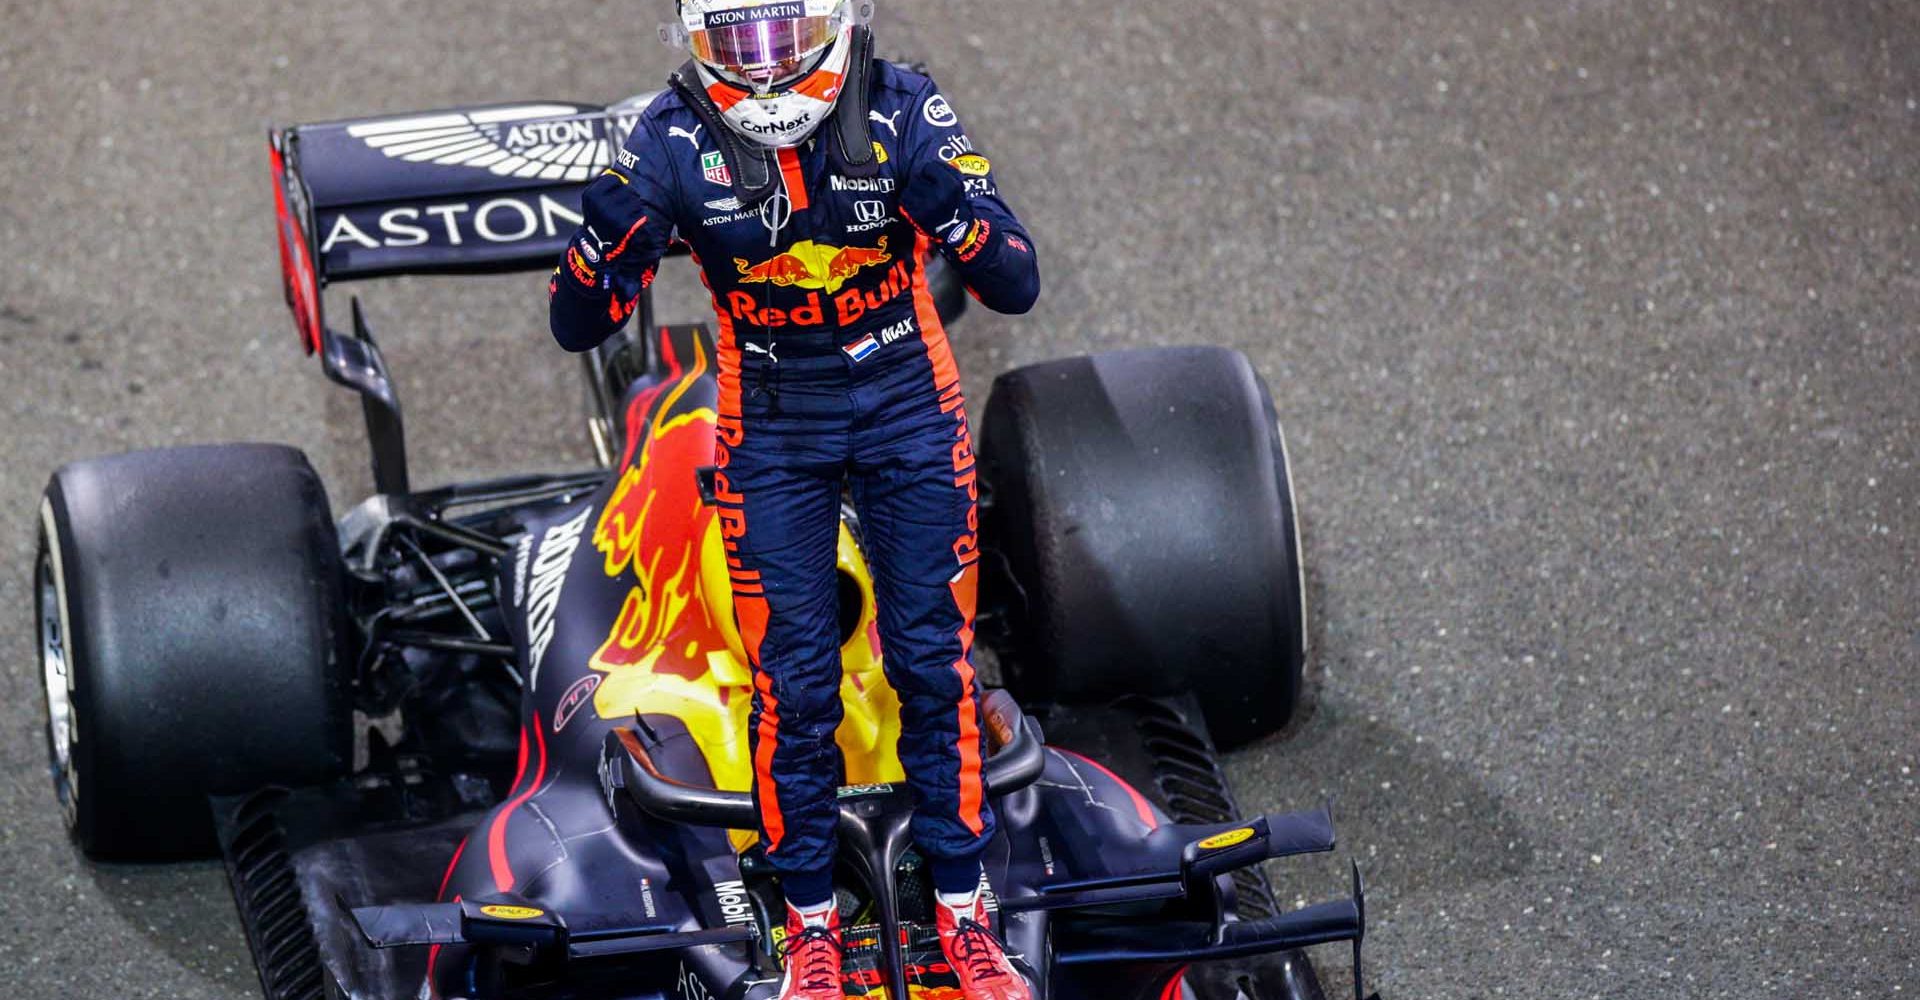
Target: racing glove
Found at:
613, 215
591, 269
611, 259
949, 194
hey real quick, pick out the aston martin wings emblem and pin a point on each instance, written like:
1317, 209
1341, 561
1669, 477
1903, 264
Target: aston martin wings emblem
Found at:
552, 142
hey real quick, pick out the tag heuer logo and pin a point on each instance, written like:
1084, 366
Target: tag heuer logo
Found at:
714, 167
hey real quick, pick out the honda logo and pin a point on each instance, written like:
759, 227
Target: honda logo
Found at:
869, 211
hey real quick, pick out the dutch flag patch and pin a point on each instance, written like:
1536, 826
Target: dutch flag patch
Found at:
859, 349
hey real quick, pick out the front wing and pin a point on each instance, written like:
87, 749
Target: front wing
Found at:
316, 873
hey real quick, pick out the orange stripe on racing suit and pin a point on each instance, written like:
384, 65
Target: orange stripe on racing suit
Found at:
796, 182
933, 334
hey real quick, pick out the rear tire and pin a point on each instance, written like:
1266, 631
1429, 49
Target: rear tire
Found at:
1144, 508
189, 611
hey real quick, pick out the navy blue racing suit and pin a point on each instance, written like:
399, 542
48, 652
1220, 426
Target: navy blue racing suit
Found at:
834, 371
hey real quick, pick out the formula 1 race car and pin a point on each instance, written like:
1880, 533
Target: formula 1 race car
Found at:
489, 739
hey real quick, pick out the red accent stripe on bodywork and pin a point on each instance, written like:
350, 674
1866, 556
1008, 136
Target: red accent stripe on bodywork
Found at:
1172, 990
667, 354
1141, 806
497, 835
298, 279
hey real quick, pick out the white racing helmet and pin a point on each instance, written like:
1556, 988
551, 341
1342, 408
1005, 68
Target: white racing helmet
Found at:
774, 67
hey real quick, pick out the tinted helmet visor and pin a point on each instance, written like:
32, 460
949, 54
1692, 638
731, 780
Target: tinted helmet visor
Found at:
764, 44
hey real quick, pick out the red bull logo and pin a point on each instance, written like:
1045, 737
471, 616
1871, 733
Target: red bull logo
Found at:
848, 305
814, 265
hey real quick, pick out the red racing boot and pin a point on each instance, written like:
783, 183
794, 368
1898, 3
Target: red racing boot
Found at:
976, 955
811, 952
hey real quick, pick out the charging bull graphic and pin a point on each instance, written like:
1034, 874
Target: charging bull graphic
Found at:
674, 648
814, 265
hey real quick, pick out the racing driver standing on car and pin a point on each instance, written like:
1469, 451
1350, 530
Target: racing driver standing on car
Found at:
810, 180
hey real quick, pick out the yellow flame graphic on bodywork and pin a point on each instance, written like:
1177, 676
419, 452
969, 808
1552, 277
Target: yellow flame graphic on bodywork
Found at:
675, 649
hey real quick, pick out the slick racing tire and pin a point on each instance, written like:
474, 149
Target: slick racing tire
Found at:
188, 604
1141, 536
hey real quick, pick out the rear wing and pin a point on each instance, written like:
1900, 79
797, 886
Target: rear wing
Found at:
462, 191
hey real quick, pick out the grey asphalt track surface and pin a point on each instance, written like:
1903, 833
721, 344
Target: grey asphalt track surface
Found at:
1593, 324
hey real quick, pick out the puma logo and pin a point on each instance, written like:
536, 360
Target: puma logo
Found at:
891, 122
693, 137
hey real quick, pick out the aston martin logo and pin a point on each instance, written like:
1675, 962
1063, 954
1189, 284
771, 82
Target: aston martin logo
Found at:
543, 141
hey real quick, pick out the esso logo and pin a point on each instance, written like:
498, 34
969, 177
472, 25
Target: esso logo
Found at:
939, 113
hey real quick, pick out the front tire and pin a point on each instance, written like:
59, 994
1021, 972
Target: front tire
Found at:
188, 603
